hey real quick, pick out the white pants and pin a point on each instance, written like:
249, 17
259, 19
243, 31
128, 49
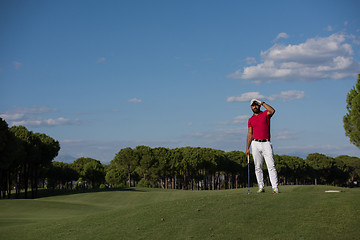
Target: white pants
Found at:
260, 150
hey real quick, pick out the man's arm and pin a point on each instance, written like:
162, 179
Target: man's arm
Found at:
270, 110
248, 140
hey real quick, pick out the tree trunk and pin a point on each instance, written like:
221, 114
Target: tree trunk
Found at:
236, 181
26, 180
129, 179
32, 183
213, 181
35, 183
9, 185
17, 190
184, 184
1, 182
229, 181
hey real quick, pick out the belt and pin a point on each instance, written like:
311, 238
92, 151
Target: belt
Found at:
261, 140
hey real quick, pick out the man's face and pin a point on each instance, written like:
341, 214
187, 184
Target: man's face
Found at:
255, 108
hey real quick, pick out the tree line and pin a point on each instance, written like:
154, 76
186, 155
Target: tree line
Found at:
206, 168
24, 158
26, 162
196, 168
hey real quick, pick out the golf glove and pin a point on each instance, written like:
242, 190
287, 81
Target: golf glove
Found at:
257, 101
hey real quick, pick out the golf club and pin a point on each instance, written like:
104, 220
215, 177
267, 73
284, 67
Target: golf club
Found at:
248, 158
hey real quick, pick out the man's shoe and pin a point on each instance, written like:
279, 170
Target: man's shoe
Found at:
261, 190
275, 190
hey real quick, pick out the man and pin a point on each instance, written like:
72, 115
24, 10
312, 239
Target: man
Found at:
259, 139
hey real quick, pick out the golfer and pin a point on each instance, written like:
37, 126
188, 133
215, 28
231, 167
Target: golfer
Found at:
259, 139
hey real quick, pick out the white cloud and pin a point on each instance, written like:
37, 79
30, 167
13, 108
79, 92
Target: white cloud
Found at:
281, 35
250, 60
330, 28
219, 135
285, 135
70, 141
355, 40
288, 95
242, 119
317, 58
101, 60
135, 100
30, 117
17, 65
104, 151
36, 110
224, 139
45, 122
115, 110
20, 113
11, 116
284, 95
245, 97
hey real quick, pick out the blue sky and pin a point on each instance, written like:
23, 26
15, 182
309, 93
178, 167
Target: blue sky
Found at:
99, 76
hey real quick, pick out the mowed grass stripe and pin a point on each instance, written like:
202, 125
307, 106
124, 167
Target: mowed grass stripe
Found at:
299, 212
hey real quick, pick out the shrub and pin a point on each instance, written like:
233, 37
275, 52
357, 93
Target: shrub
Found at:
143, 183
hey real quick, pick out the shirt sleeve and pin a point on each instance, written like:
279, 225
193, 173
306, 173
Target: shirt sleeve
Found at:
267, 116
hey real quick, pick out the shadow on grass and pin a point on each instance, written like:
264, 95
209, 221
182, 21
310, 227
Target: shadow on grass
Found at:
42, 193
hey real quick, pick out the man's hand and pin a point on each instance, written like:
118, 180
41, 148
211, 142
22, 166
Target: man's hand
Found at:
257, 101
247, 152
270, 110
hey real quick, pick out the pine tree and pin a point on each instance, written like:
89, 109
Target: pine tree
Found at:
352, 118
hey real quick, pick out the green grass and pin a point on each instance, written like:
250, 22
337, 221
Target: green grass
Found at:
298, 212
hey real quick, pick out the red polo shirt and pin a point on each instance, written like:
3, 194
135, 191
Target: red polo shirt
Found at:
261, 125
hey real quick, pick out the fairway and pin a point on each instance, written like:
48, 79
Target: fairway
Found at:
298, 212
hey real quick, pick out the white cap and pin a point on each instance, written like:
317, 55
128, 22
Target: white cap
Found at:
254, 101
